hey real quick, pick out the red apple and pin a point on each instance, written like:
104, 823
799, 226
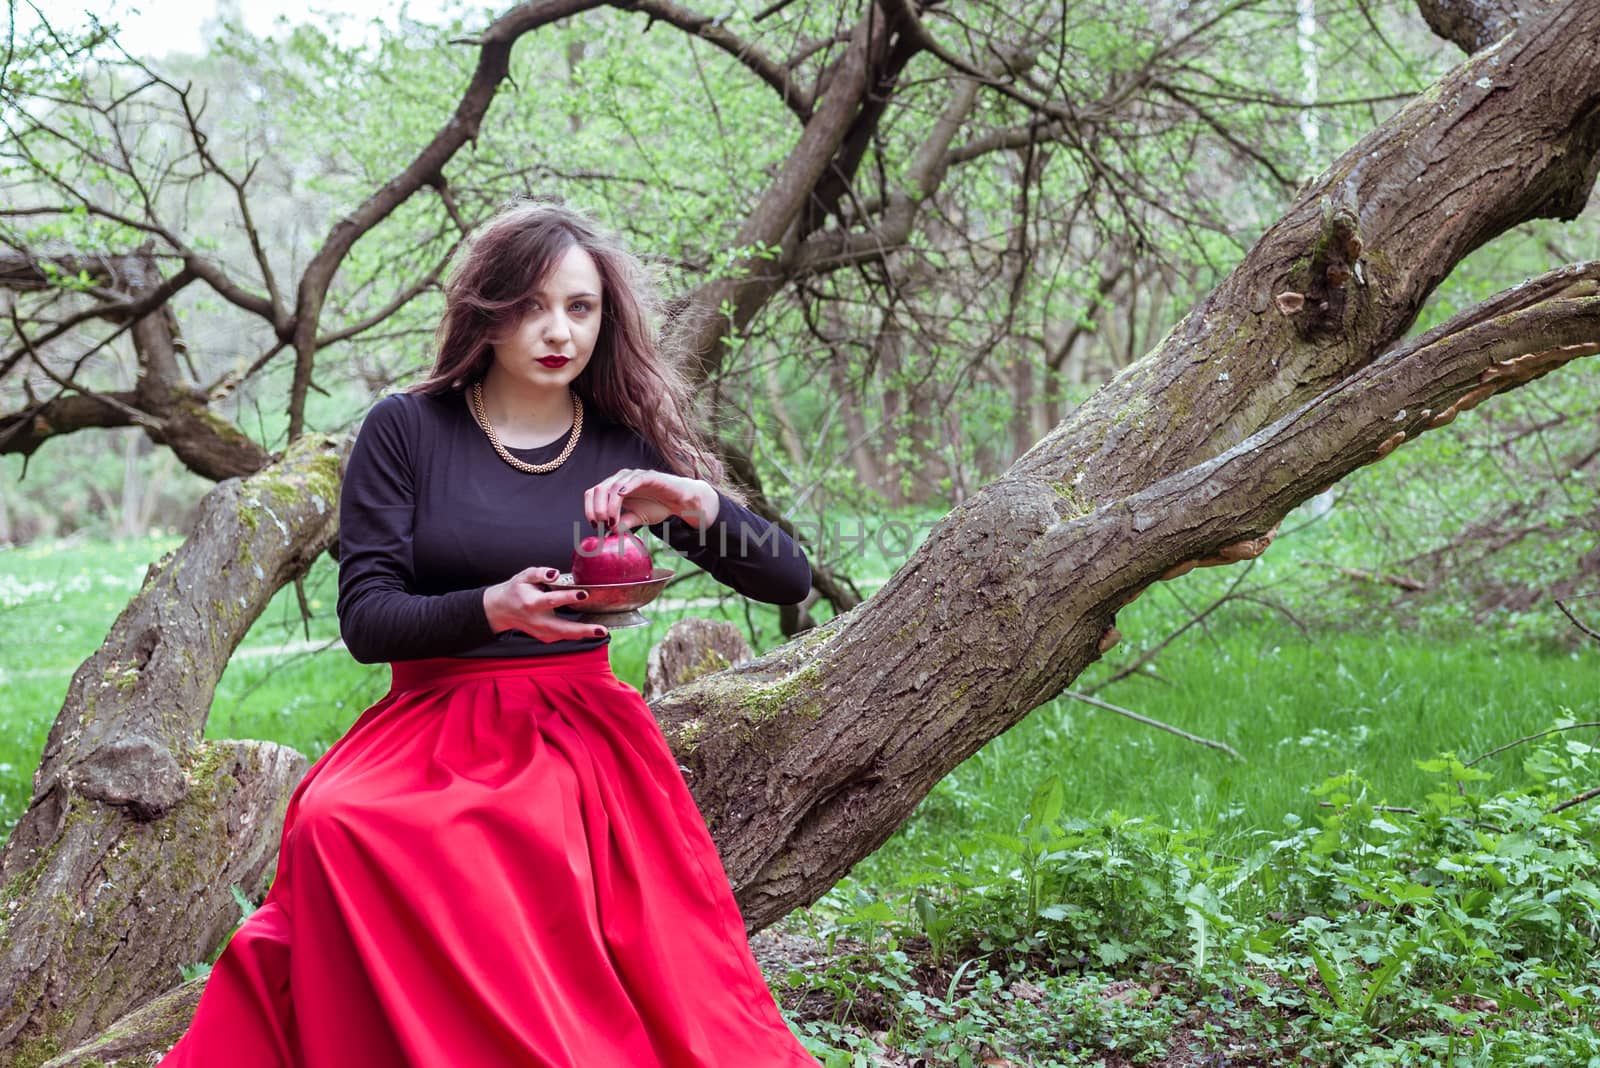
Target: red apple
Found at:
616, 558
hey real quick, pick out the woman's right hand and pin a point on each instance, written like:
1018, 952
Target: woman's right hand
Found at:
525, 602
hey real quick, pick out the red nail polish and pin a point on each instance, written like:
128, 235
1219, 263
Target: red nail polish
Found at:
598, 633
583, 595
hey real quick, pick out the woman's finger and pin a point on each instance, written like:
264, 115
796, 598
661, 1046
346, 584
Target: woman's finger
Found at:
537, 575
566, 631
611, 498
561, 598
614, 504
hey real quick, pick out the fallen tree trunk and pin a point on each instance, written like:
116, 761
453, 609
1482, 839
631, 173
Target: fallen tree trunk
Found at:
807, 759
122, 866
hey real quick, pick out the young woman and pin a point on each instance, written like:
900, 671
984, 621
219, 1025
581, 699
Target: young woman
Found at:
499, 863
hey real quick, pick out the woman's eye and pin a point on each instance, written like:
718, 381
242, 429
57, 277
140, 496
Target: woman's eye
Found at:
581, 306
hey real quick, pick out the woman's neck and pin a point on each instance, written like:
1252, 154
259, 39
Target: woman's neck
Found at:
525, 418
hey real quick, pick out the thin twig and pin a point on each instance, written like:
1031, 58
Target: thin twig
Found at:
1587, 795
1529, 738
1156, 723
1405, 811
1404, 582
1151, 654
1576, 622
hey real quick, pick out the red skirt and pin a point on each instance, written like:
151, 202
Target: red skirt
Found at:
498, 865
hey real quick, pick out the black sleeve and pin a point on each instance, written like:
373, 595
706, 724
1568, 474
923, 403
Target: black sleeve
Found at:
380, 618
740, 549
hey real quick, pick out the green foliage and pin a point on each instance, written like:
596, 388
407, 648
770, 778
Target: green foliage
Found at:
1461, 933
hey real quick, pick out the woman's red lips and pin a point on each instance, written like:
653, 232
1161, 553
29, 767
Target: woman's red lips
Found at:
554, 361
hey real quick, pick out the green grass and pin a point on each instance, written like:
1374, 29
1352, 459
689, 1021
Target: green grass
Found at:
56, 603
1296, 710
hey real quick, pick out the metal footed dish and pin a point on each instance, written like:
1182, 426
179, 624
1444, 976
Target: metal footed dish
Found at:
617, 604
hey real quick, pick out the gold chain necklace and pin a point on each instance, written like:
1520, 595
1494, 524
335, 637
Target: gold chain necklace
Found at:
532, 469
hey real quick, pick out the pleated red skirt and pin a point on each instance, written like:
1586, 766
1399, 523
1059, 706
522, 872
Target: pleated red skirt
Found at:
498, 865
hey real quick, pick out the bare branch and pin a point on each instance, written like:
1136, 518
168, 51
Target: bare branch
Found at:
494, 63
1497, 750
400, 300
1195, 619
125, 312
1573, 802
23, 432
782, 202
906, 10
828, 251
714, 30
164, 405
1576, 622
1238, 144
280, 314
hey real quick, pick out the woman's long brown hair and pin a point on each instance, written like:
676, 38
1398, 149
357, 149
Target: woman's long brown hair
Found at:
630, 379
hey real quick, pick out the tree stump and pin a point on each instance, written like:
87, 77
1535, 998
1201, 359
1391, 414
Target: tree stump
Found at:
691, 648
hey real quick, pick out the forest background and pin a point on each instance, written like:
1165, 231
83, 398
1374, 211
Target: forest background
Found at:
1350, 873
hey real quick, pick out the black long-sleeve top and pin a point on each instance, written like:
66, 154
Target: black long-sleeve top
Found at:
429, 516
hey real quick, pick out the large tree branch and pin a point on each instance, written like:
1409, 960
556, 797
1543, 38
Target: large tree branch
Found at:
163, 402
136, 827
782, 202
794, 776
832, 250
22, 272
22, 432
1511, 134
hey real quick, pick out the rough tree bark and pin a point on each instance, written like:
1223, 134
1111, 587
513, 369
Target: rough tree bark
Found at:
1287, 377
1474, 24
122, 865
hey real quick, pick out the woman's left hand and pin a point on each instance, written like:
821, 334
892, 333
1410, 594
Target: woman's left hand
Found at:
635, 497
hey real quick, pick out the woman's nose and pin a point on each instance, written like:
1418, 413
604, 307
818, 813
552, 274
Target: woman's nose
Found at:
556, 328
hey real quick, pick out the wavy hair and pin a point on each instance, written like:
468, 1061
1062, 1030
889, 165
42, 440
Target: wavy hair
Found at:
632, 378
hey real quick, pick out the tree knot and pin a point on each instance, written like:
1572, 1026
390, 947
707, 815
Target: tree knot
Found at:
134, 772
1315, 303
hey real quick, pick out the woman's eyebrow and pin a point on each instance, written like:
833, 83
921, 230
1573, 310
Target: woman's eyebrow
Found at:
570, 296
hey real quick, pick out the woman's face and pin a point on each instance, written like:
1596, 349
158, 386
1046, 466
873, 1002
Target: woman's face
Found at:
563, 319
